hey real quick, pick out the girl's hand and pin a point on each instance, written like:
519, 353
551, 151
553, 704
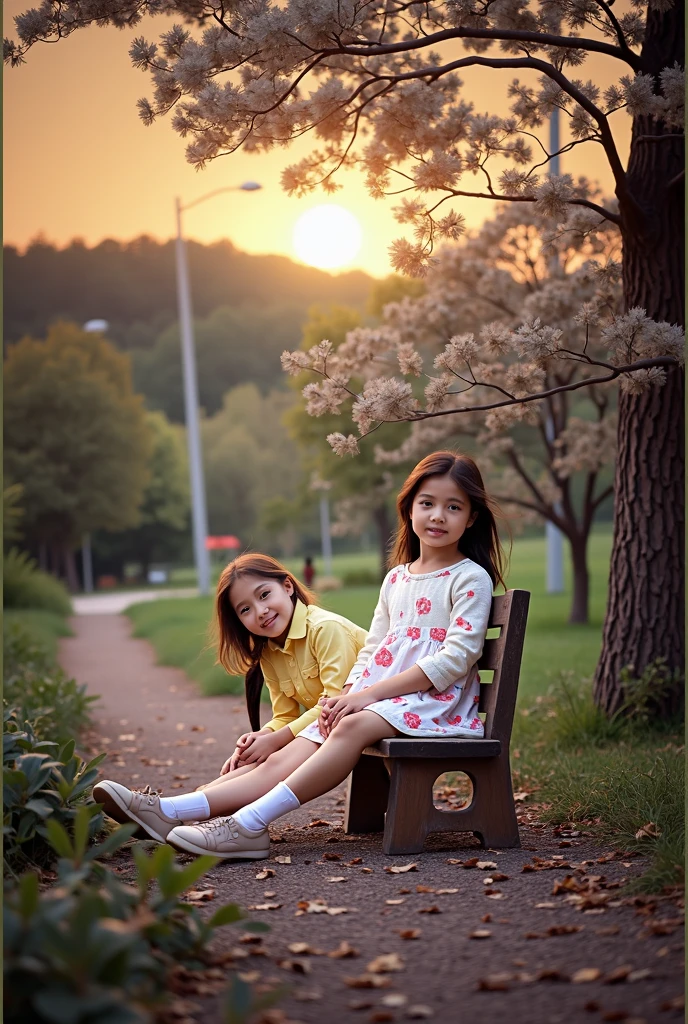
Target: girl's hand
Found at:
336, 708
262, 745
241, 745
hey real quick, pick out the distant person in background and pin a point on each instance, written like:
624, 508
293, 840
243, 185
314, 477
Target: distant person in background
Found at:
308, 571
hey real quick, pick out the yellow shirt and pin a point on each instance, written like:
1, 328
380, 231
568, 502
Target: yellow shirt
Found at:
320, 650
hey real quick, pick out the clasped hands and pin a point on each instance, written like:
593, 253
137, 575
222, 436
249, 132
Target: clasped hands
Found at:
334, 709
252, 749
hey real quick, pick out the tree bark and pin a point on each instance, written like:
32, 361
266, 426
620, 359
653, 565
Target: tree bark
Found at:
384, 534
581, 581
69, 562
645, 617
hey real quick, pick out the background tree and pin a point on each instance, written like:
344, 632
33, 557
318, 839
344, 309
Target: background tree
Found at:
554, 463
249, 459
76, 439
378, 84
163, 529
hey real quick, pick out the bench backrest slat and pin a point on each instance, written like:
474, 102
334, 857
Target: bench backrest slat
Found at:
502, 655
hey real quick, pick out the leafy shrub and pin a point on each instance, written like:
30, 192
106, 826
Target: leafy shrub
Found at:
361, 578
654, 698
94, 950
40, 784
42, 693
27, 586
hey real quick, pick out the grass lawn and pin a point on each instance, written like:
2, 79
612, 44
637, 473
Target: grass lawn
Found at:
178, 627
44, 627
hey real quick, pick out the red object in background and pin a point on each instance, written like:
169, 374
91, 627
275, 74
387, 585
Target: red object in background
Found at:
222, 543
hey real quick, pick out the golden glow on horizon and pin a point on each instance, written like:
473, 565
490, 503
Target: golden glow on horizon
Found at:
327, 237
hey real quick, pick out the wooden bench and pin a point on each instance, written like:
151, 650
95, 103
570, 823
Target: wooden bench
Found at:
390, 789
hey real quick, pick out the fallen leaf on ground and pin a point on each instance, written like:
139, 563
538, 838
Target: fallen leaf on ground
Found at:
454, 860
480, 933
332, 856
424, 888
618, 974
269, 895
197, 728
265, 873
445, 892
649, 831
551, 974
381, 1017
520, 796
639, 975
368, 981
297, 966
360, 1004
127, 737
486, 918
199, 895
400, 869
485, 865
319, 823
420, 1012
265, 906
586, 974
249, 977
354, 860
385, 963
545, 906
495, 982
344, 951
210, 739
338, 878
366, 871
181, 777
394, 999
283, 859
434, 909
395, 903
494, 894
410, 933
319, 907
303, 949
677, 1003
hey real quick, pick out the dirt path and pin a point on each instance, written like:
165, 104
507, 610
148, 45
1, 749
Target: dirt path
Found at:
157, 729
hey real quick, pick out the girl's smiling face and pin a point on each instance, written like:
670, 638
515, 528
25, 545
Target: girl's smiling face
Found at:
441, 512
263, 605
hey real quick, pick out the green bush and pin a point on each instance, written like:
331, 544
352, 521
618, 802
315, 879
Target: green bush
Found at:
93, 950
40, 784
41, 692
361, 578
27, 586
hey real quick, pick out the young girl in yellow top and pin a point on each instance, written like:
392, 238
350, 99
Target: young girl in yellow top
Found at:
269, 627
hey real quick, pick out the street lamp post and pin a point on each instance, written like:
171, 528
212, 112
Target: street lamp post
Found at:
199, 515
555, 538
91, 327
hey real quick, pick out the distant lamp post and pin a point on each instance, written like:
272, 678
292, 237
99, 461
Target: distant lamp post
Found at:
199, 515
554, 536
323, 486
91, 327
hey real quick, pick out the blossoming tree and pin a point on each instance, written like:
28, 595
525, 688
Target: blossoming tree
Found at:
546, 459
376, 81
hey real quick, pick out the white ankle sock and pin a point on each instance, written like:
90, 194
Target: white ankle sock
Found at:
187, 807
266, 809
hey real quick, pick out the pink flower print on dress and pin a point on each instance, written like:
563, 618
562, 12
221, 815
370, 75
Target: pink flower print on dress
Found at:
423, 606
470, 593
399, 700
393, 578
436, 695
384, 657
413, 632
476, 698
390, 639
464, 623
365, 673
413, 721
438, 634
445, 573
456, 720
476, 723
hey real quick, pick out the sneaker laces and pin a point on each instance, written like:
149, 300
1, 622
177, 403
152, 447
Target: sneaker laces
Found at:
220, 825
151, 794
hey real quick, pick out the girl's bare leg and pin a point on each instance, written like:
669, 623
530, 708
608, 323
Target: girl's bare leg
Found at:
338, 755
229, 775
236, 789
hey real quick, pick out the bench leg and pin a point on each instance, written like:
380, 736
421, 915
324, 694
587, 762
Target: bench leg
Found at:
367, 794
411, 809
493, 804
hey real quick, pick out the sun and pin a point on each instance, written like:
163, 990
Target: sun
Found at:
327, 237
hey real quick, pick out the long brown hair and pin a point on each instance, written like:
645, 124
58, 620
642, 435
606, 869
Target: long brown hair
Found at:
480, 542
238, 650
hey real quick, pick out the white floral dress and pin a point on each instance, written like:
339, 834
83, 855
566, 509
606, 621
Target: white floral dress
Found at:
438, 621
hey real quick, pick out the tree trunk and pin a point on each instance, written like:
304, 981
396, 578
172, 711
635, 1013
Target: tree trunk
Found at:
384, 535
645, 619
71, 574
581, 581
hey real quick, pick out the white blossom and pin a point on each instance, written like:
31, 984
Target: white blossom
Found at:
553, 194
459, 350
294, 362
342, 445
322, 397
410, 361
638, 381
524, 379
436, 392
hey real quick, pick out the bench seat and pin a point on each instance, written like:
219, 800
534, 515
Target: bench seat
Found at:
433, 748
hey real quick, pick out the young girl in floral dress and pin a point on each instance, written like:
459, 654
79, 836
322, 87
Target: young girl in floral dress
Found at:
416, 674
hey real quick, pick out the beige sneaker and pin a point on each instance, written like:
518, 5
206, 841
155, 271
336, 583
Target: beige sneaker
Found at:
221, 837
141, 806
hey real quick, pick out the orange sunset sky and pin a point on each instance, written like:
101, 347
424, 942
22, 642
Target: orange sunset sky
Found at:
80, 164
